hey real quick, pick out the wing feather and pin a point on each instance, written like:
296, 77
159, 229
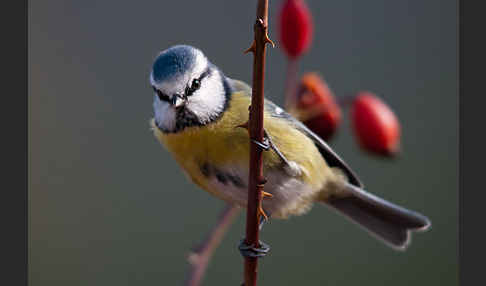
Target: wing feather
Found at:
326, 151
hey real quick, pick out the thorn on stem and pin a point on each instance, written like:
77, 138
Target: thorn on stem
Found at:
261, 213
262, 24
266, 195
268, 41
252, 48
244, 125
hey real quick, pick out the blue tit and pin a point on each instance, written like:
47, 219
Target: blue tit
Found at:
196, 111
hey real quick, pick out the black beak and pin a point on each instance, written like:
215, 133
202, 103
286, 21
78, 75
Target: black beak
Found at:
173, 100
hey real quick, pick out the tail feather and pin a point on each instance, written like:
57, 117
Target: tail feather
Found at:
389, 222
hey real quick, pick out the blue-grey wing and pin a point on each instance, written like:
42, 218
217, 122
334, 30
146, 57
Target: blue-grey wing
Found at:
327, 153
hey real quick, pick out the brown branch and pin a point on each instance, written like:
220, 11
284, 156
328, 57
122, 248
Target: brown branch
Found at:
256, 179
201, 255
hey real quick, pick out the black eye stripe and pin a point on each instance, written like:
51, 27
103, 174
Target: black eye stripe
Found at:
161, 95
196, 83
205, 74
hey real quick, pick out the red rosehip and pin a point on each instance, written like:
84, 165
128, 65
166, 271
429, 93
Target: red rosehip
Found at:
296, 27
316, 106
375, 125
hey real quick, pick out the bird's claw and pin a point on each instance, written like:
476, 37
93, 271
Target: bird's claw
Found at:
265, 145
243, 125
253, 251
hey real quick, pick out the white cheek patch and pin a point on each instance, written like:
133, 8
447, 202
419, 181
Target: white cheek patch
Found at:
208, 102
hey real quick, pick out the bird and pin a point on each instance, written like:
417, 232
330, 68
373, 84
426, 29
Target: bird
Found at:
197, 114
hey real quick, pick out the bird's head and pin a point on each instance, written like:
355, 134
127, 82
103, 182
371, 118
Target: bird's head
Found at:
188, 89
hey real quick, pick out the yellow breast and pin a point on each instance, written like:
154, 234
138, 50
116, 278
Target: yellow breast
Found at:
221, 143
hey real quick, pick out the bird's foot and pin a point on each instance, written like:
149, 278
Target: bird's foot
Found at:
291, 167
265, 145
253, 251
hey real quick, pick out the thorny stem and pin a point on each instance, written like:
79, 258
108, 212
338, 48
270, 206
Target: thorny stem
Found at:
201, 255
256, 179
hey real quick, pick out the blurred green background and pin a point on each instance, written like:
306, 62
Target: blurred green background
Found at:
109, 206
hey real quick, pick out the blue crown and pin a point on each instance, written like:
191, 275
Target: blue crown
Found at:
173, 61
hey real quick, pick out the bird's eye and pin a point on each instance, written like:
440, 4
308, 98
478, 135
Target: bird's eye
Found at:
196, 84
